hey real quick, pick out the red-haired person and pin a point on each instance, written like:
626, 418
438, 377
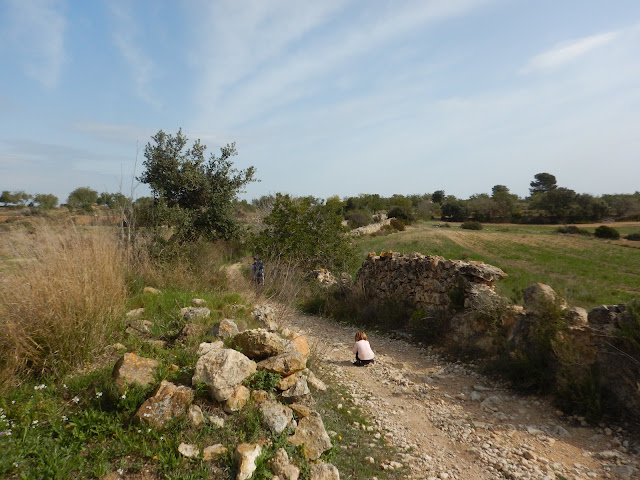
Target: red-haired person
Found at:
362, 349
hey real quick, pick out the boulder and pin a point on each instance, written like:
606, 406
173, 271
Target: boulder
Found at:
324, 471
194, 313
132, 369
191, 331
238, 400
300, 410
298, 393
286, 383
224, 329
312, 435
275, 416
169, 401
577, 317
284, 364
198, 302
206, 347
604, 314
314, 382
301, 345
246, 455
539, 298
264, 315
281, 466
259, 344
222, 371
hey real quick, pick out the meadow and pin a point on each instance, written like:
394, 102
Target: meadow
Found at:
587, 271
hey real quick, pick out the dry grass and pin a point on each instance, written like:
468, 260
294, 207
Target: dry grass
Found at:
62, 297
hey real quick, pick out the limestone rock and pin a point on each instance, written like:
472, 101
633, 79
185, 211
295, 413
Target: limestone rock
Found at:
198, 302
188, 450
538, 297
222, 371
135, 313
132, 369
301, 345
151, 290
238, 400
298, 393
196, 416
211, 452
287, 382
168, 402
193, 313
191, 331
324, 471
246, 455
312, 435
281, 466
314, 382
604, 314
284, 364
259, 344
259, 396
264, 315
275, 416
206, 347
224, 329
300, 410
577, 317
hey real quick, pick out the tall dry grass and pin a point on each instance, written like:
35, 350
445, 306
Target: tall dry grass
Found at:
62, 297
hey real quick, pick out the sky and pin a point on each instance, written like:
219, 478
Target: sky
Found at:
331, 97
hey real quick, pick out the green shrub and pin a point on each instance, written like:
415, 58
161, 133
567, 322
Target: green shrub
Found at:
405, 213
357, 218
633, 236
397, 224
604, 231
263, 380
471, 225
572, 230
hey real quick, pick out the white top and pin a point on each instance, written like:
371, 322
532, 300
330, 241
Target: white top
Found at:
363, 349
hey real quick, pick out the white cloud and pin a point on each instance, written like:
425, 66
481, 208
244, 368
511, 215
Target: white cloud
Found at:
35, 29
257, 60
120, 133
140, 64
566, 52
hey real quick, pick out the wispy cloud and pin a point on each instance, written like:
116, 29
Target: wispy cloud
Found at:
566, 52
35, 29
139, 62
118, 133
284, 54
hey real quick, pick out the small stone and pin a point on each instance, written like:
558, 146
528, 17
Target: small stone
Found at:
188, 450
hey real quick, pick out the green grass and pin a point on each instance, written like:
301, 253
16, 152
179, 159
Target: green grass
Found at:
587, 271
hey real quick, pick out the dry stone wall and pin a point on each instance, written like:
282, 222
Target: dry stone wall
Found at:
428, 281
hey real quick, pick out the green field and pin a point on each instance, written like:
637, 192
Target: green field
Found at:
585, 270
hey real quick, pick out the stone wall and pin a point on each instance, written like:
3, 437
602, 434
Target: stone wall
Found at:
428, 281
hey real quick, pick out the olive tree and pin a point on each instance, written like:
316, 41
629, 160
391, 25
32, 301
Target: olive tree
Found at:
192, 195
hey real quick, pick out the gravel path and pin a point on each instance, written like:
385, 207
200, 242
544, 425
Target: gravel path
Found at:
453, 423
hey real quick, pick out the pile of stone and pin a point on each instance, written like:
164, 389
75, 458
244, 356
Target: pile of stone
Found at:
223, 371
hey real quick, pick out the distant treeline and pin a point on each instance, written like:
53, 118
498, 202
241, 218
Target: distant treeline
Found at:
547, 203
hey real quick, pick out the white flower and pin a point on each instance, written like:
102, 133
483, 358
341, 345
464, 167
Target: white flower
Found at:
64, 385
120, 471
98, 394
75, 399
64, 418
15, 464
124, 395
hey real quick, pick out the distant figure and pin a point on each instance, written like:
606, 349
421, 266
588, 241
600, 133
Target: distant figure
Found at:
362, 349
257, 271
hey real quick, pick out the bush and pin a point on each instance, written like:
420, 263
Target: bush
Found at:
405, 213
633, 236
397, 224
471, 225
572, 230
604, 231
357, 218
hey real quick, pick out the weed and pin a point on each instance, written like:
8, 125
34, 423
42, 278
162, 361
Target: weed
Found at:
263, 380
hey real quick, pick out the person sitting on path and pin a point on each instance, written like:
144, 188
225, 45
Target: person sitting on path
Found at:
362, 349
257, 271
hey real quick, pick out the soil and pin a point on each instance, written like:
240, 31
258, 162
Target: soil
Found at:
450, 422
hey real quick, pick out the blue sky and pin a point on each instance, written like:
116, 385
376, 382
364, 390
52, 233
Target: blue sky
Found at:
331, 97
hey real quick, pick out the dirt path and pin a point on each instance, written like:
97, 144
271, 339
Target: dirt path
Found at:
452, 423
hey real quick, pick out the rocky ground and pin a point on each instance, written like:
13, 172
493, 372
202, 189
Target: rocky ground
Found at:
450, 422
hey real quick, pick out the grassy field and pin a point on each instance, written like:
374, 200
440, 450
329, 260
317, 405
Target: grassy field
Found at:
587, 271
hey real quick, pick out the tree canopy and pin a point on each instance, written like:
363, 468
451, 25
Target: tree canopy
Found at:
193, 196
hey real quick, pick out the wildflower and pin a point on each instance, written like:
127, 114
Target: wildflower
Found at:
98, 394
35, 423
64, 418
124, 395
161, 438
120, 471
15, 464
13, 402
64, 385
75, 399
